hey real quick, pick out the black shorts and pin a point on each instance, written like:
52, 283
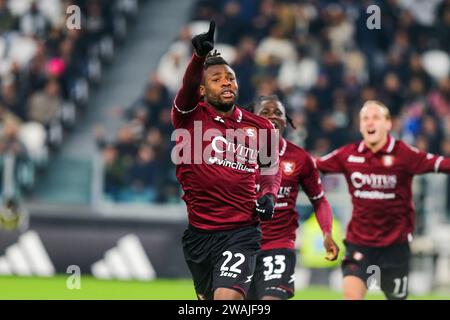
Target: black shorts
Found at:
389, 266
274, 274
223, 259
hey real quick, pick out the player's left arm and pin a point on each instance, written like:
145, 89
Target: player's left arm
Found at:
421, 162
312, 186
270, 173
331, 162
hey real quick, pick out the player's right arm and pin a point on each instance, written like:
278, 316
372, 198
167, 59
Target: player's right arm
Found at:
188, 96
312, 186
421, 162
331, 163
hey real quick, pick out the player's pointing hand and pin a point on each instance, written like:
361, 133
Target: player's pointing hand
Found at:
204, 42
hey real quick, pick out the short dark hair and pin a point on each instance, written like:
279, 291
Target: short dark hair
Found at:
252, 107
273, 97
214, 59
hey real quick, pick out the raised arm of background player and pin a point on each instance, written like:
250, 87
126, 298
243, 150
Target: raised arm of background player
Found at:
331, 163
188, 96
311, 185
421, 162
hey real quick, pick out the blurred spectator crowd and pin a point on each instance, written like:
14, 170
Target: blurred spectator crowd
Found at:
137, 164
47, 72
323, 61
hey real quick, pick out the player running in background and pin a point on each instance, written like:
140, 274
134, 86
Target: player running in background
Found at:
379, 172
223, 235
275, 266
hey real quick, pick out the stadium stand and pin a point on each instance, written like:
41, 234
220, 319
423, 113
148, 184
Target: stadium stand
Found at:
321, 58
47, 72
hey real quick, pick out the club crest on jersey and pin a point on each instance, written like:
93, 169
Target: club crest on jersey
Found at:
250, 131
288, 167
388, 161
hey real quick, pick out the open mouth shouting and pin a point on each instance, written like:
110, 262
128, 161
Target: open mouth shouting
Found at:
227, 93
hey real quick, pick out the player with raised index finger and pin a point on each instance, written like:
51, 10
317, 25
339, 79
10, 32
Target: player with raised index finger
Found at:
223, 236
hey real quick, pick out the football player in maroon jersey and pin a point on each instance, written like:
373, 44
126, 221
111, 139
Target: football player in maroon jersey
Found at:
275, 266
379, 172
223, 235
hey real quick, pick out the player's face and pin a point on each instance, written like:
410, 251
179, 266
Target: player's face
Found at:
220, 88
275, 112
374, 124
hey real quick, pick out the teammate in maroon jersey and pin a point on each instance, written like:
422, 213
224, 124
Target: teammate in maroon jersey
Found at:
219, 177
379, 172
275, 266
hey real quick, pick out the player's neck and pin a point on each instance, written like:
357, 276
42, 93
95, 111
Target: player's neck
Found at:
377, 146
223, 113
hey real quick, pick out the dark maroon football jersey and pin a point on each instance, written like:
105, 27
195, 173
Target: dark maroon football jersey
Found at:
218, 173
298, 169
380, 185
